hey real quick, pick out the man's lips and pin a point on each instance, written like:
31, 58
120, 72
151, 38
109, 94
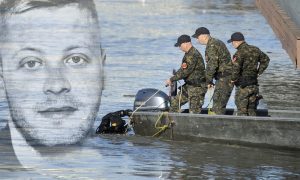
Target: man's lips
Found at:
58, 112
58, 109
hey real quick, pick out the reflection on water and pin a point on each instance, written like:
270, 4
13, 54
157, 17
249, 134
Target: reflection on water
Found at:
138, 37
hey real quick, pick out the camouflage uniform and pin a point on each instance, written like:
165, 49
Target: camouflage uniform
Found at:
192, 71
219, 66
248, 62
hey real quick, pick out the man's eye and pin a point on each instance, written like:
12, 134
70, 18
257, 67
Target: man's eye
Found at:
31, 63
76, 60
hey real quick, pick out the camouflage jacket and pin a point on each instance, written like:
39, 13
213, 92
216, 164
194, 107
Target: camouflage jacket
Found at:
192, 69
248, 62
218, 60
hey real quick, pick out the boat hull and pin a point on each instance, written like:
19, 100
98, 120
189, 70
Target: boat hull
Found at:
277, 131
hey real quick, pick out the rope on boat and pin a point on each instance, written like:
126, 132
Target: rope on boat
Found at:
162, 128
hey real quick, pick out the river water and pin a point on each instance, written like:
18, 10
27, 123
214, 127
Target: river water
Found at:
139, 37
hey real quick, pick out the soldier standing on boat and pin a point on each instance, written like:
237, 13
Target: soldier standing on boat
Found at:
218, 66
249, 62
192, 71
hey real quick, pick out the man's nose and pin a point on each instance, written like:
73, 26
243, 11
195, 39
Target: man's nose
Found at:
56, 83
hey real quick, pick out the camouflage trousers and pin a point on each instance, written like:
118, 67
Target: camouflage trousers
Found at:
222, 92
245, 100
192, 94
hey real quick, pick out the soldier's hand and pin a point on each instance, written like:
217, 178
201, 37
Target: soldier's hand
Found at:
127, 112
232, 82
210, 86
168, 83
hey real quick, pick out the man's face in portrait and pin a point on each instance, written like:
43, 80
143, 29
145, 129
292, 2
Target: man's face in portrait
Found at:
52, 69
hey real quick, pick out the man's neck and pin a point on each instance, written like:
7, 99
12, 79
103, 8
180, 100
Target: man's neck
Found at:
188, 49
240, 45
208, 40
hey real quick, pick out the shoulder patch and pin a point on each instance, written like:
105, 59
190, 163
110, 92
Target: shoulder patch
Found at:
184, 65
234, 58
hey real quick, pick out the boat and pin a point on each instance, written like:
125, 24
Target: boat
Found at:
270, 128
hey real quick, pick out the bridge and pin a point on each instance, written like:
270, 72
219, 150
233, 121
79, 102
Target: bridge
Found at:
284, 18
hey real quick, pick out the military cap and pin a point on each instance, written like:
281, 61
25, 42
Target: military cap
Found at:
199, 31
182, 39
237, 36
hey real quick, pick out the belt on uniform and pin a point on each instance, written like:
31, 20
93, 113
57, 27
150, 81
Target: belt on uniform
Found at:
246, 81
195, 82
223, 74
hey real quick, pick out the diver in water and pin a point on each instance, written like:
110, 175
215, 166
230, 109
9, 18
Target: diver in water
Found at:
112, 123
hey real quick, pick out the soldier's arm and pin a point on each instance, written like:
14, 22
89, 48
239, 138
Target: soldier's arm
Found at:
186, 69
237, 63
212, 64
263, 62
120, 113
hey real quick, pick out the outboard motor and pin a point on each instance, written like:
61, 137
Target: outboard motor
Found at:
157, 102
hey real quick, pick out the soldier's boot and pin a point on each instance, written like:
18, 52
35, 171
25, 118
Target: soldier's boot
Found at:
210, 112
194, 111
218, 111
